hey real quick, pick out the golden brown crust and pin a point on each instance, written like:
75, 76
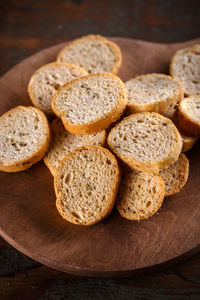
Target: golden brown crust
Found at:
118, 62
99, 124
188, 142
152, 166
113, 193
30, 85
54, 128
35, 157
161, 106
189, 126
129, 215
183, 176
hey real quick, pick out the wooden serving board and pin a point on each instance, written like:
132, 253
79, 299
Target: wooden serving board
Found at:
116, 247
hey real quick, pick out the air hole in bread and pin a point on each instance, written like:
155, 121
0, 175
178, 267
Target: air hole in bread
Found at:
108, 161
148, 204
67, 178
76, 215
23, 144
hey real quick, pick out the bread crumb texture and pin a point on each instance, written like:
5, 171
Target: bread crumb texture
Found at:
176, 175
24, 138
90, 103
153, 92
64, 142
146, 141
48, 79
185, 66
140, 195
86, 185
188, 115
93, 53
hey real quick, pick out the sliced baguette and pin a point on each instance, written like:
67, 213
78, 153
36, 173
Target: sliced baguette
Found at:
188, 142
64, 142
185, 66
188, 115
94, 53
86, 184
47, 80
146, 141
175, 176
24, 138
154, 93
90, 103
140, 195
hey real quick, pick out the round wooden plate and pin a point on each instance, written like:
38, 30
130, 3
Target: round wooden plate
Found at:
116, 247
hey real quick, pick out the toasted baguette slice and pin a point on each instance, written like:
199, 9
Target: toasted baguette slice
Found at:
24, 138
188, 142
188, 115
175, 176
94, 53
47, 80
90, 103
153, 92
185, 66
86, 185
64, 142
146, 141
140, 195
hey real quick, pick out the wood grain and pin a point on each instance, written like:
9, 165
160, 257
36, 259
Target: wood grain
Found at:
24, 23
116, 247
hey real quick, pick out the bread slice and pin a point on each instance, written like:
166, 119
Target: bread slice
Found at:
175, 176
86, 185
140, 195
47, 80
185, 66
94, 53
64, 142
24, 138
188, 115
153, 92
90, 103
188, 142
146, 141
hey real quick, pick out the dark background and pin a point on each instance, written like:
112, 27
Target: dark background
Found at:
29, 26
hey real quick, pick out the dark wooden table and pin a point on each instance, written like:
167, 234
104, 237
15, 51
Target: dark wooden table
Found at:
29, 26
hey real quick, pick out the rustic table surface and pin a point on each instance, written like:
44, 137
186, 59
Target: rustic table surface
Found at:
29, 26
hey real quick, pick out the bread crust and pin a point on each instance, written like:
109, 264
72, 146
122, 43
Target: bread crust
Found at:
99, 124
160, 193
116, 66
47, 161
113, 192
163, 106
35, 157
151, 166
183, 176
43, 68
184, 121
188, 142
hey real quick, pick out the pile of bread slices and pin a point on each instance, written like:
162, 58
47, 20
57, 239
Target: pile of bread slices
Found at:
142, 161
